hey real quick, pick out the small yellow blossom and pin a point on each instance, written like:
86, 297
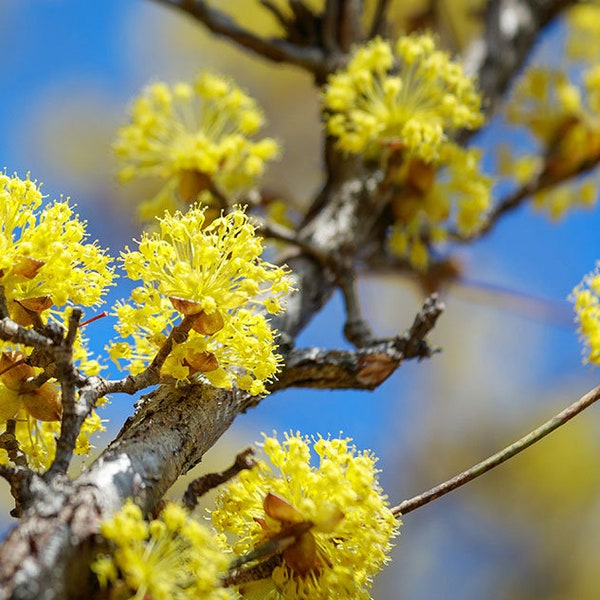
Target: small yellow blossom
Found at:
583, 32
37, 411
522, 168
45, 259
410, 96
586, 299
193, 137
432, 197
336, 511
545, 101
46, 266
170, 557
214, 272
565, 120
37, 439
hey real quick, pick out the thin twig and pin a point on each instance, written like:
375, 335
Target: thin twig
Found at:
244, 460
3, 305
305, 29
363, 369
276, 12
13, 332
503, 455
19, 479
350, 25
269, 229
131, 384
67, 375
178, 335
330, 25
277, 50
356, 329
262, 570
379, 19
7, 472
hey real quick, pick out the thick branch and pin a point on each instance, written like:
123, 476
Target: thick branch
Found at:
170, 433
511, 29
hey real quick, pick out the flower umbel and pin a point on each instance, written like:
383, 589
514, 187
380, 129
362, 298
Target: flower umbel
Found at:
193, 137
46, 265
172, 556
586, 298
410, 95
564, 119
45, 259
432, 197
335, 512
216, 274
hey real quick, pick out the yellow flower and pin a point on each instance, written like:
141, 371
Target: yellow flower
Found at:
170, 557
565, 120
192, 137
583, 32
46, 265
37, 438
412, 99
336, 512
586, 299
432, 197
216, 273
545, 101
45, 259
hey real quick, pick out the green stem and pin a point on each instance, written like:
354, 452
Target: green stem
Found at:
497, 459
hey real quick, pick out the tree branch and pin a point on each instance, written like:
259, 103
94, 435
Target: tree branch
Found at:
511, 29
502, 456
200, 486
378, 24
277, 50
363, 369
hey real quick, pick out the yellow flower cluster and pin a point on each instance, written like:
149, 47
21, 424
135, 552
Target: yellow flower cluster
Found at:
411, 99
36, 409
170, 557
45, 263
583, 32
336, 512
215, 273
37, 438
193, 137
564, 118
397, 106
45, 260
586, 297
431, 197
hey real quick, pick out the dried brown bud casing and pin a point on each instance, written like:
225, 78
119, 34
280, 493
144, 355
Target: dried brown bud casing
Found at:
44, 403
